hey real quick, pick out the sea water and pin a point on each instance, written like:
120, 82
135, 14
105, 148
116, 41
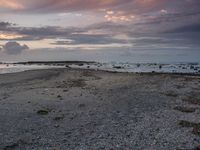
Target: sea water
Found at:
193, 68
12, 68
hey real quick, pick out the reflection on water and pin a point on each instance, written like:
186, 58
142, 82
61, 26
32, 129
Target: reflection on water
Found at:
12, 68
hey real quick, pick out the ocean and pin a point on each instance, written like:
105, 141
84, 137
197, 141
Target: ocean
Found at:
192, 68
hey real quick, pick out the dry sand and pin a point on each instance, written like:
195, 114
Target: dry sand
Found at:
63, 109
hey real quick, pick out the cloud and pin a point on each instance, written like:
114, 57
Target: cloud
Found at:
128, 6
105, 33
5, 25
14, 48
11, 4
90, 39
59, 5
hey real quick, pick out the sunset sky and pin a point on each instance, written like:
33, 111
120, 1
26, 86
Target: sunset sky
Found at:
92, 29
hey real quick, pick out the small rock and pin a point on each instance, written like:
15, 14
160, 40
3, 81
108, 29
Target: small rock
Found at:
81, 105
56, 126
59, 118
59, 96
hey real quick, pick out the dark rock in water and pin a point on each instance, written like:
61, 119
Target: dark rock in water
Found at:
138, 65
160, 66
184, 68
118, 67
67, 66
191, 67
80, 64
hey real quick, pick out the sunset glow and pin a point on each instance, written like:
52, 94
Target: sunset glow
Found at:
100, 24
11, 4
10, 36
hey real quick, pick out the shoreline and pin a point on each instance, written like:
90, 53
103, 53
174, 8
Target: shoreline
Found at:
109, 71
184, 69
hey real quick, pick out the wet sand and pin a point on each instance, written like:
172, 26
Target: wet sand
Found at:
61, 109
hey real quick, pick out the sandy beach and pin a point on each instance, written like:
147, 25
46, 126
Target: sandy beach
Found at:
61, 109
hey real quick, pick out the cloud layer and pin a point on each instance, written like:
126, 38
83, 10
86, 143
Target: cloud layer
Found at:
136, 24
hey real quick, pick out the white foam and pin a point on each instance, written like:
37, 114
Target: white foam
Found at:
118, 67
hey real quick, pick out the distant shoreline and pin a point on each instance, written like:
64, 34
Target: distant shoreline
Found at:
109, 71
185, 69
93, 62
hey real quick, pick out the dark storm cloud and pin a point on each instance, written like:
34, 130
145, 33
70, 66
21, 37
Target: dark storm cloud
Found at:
75, 36
14, 48
5, 25
158, 20
187, 28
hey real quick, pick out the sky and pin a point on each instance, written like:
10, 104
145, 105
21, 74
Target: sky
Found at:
100, 30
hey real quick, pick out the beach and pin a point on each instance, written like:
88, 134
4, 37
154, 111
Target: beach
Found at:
82, 109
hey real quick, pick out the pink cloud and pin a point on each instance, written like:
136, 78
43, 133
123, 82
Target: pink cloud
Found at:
11, 4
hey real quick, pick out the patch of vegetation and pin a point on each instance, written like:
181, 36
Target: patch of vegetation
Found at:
87, 73
12, 146
196, 130
77, 83
180, 86
58, 118
81, 105
187, 124
71, 83
195, 126
171, 94
185, 109
197, 148
43, 112
60, 97
118, 67
16, 145
193, 98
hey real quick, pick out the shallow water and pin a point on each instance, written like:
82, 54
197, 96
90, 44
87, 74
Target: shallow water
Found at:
11, 68
145, 68
119, 67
